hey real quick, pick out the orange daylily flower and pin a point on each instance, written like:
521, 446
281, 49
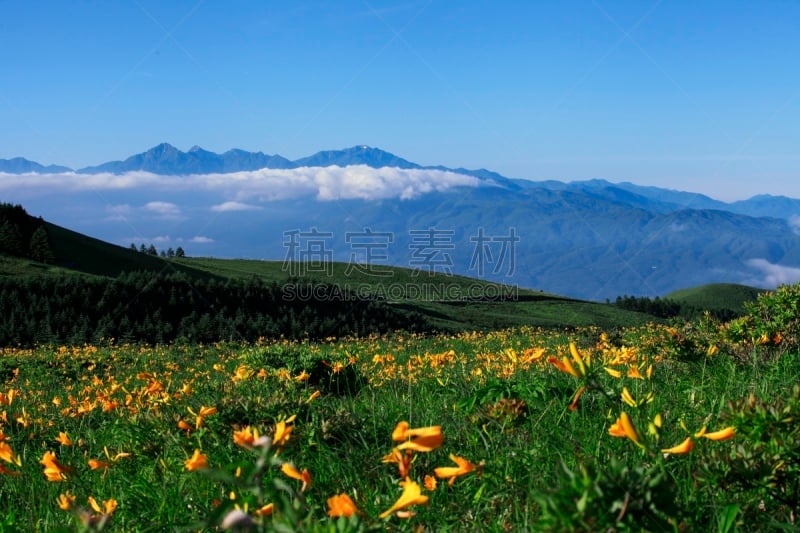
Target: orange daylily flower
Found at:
633, 372
723, 434
53, 470
8, 397
207, 411
8, 455
423, 444
623, 427
64, 439
197, 461
291, 471
201, 415
65, 501
314, 395
578, 369
245, 437
109, 506
96, 464
399, 433
429, 482
452, 472
341, 505
265, 510
423, 439
684, 447
242, 373
564, 365
283, 430
412, 495
403, 461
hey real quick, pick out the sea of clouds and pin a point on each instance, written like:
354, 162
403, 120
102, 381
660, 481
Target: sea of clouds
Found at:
242, 190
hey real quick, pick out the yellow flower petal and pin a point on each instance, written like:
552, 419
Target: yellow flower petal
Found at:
723, 434
291, 471
412, 495
627, 398
684, 447
452, 472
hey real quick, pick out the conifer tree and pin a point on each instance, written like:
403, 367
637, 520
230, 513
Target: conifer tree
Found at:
40, 249
11, 239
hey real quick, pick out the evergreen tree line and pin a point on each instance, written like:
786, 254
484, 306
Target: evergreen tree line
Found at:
667, 308
169, 253
24, 236
141, 307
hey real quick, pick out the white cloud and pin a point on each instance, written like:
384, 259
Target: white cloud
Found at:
794, 223
199, 239
233, 206
324, 183
771, 274
166, 210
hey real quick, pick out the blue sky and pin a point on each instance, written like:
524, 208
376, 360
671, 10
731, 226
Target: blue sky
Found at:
699, 96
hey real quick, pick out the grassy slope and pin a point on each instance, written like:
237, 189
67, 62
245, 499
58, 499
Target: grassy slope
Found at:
438, 297
525, 306
78, 252
717, 296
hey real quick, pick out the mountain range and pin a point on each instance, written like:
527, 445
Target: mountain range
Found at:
591, 239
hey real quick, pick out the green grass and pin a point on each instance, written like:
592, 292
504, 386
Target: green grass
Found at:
499, 402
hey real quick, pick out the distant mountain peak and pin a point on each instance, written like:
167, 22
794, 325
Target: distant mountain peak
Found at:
356, 155
20, 165
163, 147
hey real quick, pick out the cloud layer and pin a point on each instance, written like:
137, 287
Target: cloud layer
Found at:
242, 189
772, 274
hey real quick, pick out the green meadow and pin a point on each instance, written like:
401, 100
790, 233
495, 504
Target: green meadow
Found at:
657, 427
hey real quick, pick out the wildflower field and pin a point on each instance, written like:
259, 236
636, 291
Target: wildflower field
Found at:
682, 427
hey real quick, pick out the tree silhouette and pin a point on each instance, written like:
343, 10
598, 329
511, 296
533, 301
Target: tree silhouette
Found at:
40, 249
11, 239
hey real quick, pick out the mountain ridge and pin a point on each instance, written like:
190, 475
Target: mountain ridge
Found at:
166, 159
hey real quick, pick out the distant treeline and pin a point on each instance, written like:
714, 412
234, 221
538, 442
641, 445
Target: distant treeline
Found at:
169, 253
667, 308
143, 307
24, 236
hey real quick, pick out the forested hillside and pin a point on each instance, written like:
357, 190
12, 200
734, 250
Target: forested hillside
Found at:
143, 307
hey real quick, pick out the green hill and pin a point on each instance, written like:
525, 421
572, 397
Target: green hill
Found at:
717, 296
449, 302
445, 302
